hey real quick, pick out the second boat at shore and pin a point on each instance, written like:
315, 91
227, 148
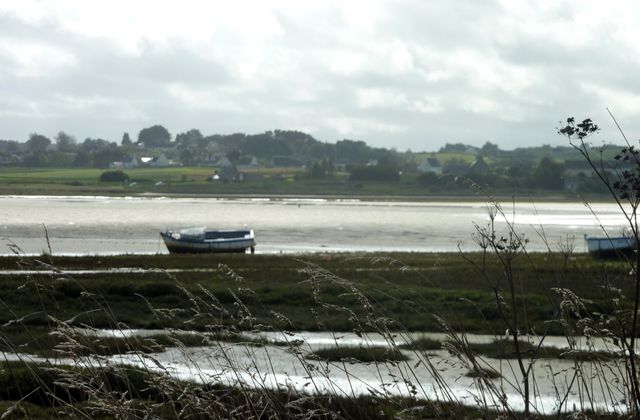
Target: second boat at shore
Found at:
611, 247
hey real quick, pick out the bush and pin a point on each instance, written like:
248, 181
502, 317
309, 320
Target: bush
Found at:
114, 176
380, 173
68, 288
158, 289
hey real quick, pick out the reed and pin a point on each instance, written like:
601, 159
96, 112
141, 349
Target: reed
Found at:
359, 354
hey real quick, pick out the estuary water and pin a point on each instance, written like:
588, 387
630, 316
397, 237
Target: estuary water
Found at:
432, 375
127, 225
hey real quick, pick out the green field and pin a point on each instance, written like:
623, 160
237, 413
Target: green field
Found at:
195, 181
92, 175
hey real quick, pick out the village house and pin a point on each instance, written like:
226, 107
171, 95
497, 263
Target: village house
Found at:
430, 165
479, 167
160, 161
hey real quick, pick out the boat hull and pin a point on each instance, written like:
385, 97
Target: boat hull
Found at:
190, 246
614, 247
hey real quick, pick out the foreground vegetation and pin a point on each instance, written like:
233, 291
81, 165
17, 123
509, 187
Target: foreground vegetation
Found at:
64, 392
47, 297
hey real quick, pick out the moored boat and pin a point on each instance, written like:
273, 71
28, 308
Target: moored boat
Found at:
611, 247
203, 240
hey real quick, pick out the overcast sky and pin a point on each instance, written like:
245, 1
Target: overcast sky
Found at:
409, 74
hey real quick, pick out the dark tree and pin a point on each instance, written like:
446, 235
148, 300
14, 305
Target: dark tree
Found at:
455, 147
352, 151
549, 174
65, 142
126, 140
187, 157
38, 143
490, 149
428, 179
114, 176
375, 173
94, 145
36, 158
234, 155
154, 136
83, 159
321, 169
190, 138
105, 156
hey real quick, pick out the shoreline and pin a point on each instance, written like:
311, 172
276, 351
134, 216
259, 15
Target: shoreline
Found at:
550, 198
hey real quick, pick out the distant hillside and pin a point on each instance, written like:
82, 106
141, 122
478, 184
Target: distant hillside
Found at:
271, 148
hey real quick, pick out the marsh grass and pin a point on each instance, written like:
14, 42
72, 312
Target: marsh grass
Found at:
433, 282
251, 340
55, 396
483, 373
49, 342
107, 388
361, 354
421, 344
505, 349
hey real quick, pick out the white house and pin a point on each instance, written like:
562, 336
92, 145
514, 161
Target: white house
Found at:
161, 161
128, 162
430, 165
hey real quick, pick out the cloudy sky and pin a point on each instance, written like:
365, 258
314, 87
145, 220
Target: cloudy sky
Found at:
409, 74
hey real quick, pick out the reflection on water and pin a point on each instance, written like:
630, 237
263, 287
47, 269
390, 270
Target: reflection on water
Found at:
433, 375
106, 225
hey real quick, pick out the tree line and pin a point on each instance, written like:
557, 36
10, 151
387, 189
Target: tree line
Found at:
538, 167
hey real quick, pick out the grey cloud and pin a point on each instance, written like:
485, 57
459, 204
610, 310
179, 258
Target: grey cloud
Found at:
110, 91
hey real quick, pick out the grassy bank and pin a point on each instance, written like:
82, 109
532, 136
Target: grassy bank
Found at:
310, 292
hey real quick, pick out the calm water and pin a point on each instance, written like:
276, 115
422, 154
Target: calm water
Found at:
277, 367
105, 225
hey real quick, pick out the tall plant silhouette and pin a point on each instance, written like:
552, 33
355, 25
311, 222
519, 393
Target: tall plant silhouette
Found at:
621, 177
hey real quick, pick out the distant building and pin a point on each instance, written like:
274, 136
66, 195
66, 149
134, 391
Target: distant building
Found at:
128, 162
479, 167
430, 165
160, 161
471, 150
455, 168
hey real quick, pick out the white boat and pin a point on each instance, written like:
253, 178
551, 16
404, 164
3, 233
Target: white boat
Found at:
611, 247
203, 240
